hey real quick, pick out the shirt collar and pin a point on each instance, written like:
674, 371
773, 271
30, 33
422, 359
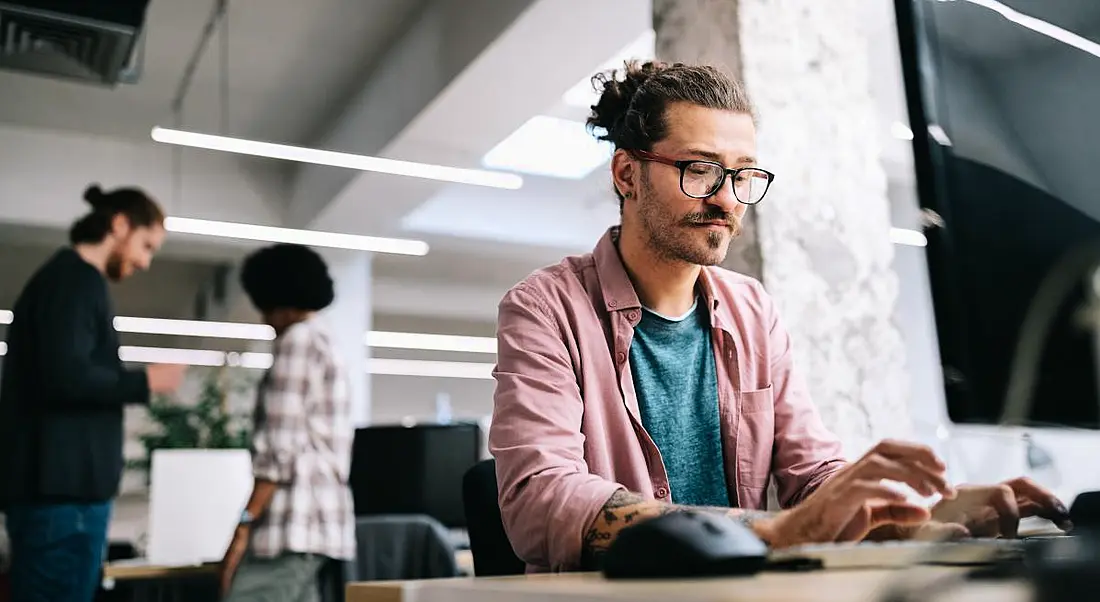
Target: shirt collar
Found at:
618, 291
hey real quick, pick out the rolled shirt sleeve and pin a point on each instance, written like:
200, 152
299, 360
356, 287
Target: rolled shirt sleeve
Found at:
547, 496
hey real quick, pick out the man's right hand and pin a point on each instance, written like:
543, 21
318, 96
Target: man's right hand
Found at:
164, 378
854, 501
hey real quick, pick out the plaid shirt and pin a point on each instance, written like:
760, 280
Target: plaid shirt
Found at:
303, 442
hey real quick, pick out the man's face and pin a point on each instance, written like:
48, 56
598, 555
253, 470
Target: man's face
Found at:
678, 227
133, 249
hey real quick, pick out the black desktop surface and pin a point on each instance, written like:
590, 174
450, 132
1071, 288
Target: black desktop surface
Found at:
1006, 149
413, 470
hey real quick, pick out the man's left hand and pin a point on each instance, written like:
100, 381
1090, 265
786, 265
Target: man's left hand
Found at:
232, 559
996, 510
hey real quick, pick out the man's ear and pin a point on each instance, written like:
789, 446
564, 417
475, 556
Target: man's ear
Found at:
120, 225
623, 171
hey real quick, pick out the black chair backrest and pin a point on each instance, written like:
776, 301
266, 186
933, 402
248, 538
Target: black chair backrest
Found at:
492, 552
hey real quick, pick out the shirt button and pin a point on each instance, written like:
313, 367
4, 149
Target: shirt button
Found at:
632, 316
662, 493
612, 303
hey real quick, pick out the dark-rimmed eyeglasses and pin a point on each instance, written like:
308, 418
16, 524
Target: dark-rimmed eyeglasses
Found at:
702, 179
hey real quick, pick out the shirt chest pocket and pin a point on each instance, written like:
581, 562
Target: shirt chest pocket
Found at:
755, 436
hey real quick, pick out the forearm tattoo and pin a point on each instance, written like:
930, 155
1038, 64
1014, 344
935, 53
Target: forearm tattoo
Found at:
625, 508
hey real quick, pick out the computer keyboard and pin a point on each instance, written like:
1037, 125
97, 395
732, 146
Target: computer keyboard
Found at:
1033, 526
896, 554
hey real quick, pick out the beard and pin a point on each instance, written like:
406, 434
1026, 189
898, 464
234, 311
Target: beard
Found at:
116, 268
675, 237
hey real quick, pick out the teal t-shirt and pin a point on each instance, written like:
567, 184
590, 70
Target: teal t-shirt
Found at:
672, 362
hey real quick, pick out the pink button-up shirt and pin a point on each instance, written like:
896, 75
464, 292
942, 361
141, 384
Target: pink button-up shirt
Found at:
566, 431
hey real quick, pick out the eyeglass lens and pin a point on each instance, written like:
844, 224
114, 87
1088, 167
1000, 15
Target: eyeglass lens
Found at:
702, 179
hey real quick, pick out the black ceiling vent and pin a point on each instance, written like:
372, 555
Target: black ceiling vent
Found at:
95, 41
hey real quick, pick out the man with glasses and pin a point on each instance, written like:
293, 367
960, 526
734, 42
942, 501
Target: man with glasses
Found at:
641, 379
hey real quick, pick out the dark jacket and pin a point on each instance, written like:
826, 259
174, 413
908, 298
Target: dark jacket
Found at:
63, 388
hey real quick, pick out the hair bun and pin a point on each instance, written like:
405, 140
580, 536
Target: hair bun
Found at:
94, 195
616, 95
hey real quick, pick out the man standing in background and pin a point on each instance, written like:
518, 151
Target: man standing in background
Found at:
300, 513
62, 394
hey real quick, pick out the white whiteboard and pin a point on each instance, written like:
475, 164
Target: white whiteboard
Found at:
195, 501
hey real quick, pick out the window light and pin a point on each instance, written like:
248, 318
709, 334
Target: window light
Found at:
548, 146
583, 95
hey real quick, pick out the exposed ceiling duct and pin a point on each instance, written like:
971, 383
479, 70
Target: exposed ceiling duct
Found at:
87, 40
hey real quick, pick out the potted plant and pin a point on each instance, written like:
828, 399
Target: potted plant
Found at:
209, 423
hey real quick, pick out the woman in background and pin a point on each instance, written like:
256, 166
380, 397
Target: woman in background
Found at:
300, 512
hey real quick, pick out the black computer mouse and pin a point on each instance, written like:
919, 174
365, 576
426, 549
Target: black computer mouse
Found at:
685, 544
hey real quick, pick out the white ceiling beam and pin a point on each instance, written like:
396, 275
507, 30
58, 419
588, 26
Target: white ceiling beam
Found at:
528, 69
439, 44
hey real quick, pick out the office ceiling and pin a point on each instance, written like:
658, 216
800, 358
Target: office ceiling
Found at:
292, 65
439, 81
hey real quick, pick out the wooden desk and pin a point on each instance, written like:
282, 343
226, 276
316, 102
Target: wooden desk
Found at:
818, 586
138, 569
140, 580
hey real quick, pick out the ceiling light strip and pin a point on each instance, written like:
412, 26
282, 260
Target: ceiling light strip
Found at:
167, 355
428, 368
430, 342
312, 238
262, 361
262, 332
195, 328
458, 175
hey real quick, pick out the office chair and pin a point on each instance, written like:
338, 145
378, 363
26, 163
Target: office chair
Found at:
489, 545
402, 547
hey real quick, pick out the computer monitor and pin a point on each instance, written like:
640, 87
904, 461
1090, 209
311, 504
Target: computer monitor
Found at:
1004, 104
413, 470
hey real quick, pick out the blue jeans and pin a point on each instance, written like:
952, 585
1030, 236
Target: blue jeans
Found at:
57, 551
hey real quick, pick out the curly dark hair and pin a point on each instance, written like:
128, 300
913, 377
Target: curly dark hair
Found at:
633, 100
287, 276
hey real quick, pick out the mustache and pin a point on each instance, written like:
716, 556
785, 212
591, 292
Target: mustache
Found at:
695, 219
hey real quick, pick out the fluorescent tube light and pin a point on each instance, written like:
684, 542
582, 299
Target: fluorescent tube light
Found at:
6, 316
905, 236
430, 342
262, 361
313, 238
548, 146
262, 332
426, 368
195, 328
167, 355
249, 359
1041, 27
475, 177
3, 348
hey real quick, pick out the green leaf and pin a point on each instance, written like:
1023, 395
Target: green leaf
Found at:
205, 424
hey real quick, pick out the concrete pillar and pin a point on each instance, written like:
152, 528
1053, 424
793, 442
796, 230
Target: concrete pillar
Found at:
820, 240
349, 318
